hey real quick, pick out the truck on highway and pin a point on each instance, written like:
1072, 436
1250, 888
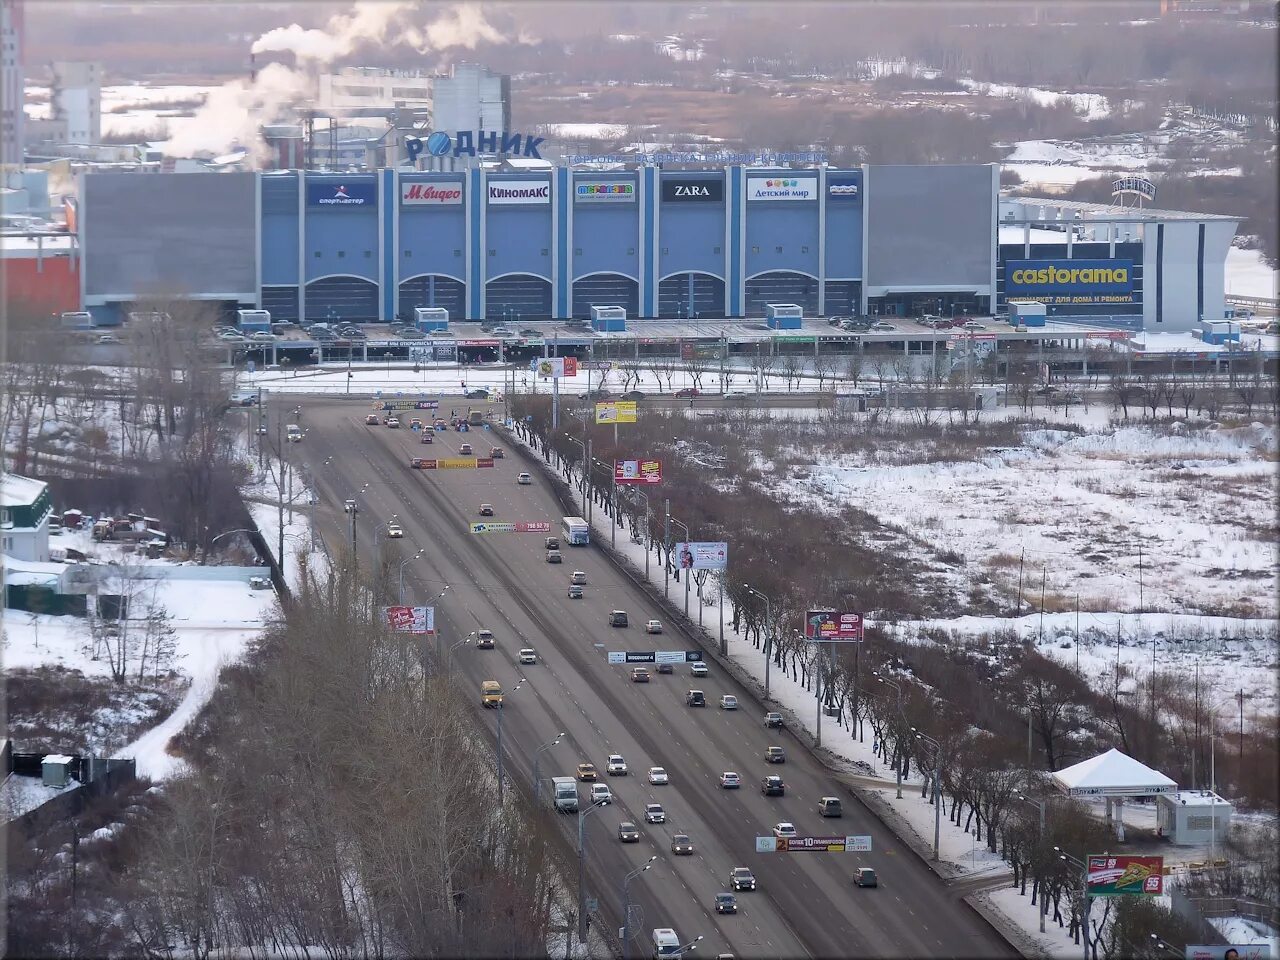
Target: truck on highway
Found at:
565, 795
576, 531
491, 693
476, 418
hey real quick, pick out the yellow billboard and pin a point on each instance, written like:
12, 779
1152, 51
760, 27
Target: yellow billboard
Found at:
616, 411
455, 463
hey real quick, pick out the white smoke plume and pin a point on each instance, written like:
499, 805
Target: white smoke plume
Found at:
234, 113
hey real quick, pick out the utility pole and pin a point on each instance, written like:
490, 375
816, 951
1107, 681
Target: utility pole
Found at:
666, 550
1043, 567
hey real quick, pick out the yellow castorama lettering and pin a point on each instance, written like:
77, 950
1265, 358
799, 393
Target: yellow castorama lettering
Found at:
1049, 276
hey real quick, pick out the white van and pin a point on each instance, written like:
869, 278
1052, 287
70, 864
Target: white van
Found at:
665, 943
293, 433
566, 794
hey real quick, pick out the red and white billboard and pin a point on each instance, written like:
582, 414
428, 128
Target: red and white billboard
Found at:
411, 619
637, 471
833, 625
416, 194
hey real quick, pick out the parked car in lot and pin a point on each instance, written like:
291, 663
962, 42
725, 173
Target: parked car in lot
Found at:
633, 395
112, 338
628, 832
881, 327
974, 325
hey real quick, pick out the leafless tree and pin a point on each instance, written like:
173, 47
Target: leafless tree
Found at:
854, 364
791, 366
824, 367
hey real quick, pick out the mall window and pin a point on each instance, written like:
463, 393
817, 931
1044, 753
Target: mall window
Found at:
631, 251
408, 254
715, 249
755, 249
665, 251
342, 254
804, 249
457, 252
777, 249
577, 251
545, 251
493, 253
368, 254
316, 254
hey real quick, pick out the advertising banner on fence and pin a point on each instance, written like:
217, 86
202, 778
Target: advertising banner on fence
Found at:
690, 189
1228, 951
616, 411
535, 526
637, 471
702, 556
822, 844
357, 193
1070, 281
605, 191
410, 619
554, 366
833, 625
406, 405
1116, 876
519, 191
782, 188
440, 193
655, 656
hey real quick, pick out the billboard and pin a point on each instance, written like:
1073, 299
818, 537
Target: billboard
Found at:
531, 526
616, 411
1070, 281
1238, 951
437, 194
605, 191
637, 471
842, 189
450, 463
519, 191
654, 656
410, 619
357, 193
782, 188
702, 555
691, 189
1109, 876
833, 625
848, 844
554, 366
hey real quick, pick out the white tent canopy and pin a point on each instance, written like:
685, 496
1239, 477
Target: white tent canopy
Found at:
1112, 774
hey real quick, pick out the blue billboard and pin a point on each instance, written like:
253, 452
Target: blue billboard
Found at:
339, 195
1070, 281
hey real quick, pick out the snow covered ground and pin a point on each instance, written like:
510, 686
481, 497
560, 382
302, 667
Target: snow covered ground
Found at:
1239, 930
1249, 276
1092, 106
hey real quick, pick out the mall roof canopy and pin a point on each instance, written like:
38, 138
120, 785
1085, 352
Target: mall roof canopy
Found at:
1112, 774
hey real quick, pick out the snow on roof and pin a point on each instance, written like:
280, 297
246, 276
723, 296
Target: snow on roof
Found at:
57, 758
1112, 774
16, 491
1195, 798
1111, 211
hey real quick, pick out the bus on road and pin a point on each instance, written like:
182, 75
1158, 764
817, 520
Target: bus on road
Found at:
576, 531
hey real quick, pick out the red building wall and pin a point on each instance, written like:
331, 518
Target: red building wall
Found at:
49, 285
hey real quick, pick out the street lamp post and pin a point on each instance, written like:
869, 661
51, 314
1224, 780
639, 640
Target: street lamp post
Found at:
1039, 805
458, 643
1086, 900
688, 573
583, 813
400, 594
641, 493
1213, 771
937, 787
897, 766
681, 950
537, 759
768, 640
501, 711
626, 905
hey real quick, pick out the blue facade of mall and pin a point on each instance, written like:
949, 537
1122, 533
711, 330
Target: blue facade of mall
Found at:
551, 244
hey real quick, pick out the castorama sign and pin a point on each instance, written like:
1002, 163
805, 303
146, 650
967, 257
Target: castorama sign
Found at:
437, 193
469, 143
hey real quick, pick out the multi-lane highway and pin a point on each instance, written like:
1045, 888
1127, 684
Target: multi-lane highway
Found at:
806, 903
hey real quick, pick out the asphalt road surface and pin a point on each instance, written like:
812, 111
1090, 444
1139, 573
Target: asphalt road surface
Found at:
805, 903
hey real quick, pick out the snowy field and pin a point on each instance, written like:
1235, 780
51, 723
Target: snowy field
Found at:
1249, 276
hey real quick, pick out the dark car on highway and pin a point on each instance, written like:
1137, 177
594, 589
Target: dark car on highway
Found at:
726, 903
773, 787
686, 393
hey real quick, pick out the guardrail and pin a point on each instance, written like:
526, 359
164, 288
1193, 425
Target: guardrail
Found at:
1251, 301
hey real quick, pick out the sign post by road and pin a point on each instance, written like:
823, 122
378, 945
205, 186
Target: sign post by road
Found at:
846, 844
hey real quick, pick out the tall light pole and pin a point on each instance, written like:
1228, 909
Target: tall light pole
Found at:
1086, 900
501, 711
684, 948
688, 573
897, 689
537, 758
400, 595
626, 905
458, 643
641, 493
1213, 772
937, 786
768, 640
583, 813
1044, 904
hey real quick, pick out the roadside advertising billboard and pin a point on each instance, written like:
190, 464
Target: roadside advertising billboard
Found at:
1109, 876
519, 191
1228, 951
410, 619
782, 188
616, 411
702, 555
532, 526
450, 463
1070, 281
637, 471
692, 189
605, 191
860, 844
833, 625
554, 366
439, 193
654, 656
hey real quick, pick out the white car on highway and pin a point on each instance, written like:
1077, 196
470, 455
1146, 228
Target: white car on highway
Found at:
524, 479
393, 530
601, 794
728, 702
616, 766
528, 655
784, 830
730, 780
699, 669
658, 776
653, 626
